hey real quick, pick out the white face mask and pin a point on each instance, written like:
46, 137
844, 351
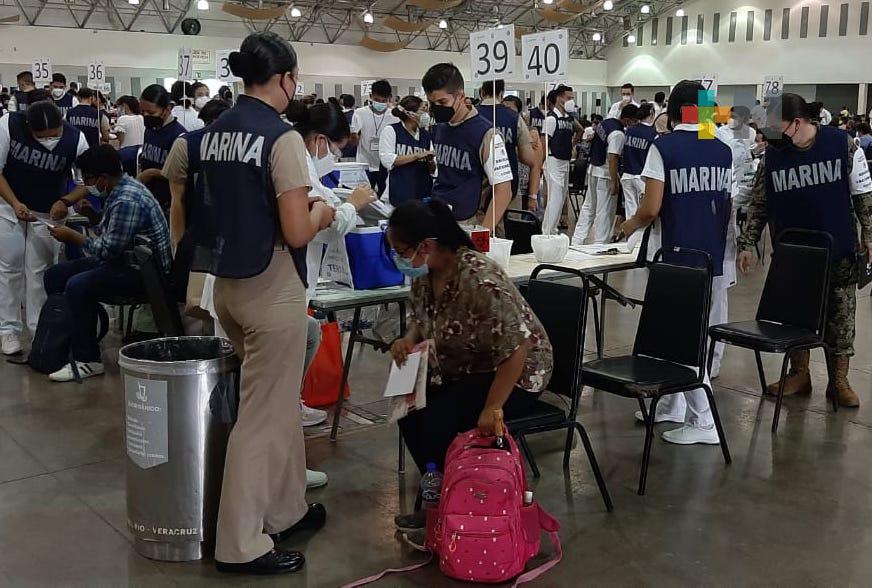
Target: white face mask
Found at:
425, 119
569, 106
625, 99
58, 93
49, 142
324, 165
733, 124
200, 102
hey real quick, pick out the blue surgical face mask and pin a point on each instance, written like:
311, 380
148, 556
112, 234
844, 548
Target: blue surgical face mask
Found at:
379, 106
407, 269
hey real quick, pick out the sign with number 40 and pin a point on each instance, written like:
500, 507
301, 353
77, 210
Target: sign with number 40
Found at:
545, 55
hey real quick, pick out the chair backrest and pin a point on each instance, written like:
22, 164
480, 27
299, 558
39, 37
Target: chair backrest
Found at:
163, 305
561, 308
797, 284
520, 227
675, 313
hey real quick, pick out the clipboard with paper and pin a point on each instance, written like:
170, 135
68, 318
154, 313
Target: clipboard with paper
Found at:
407, 385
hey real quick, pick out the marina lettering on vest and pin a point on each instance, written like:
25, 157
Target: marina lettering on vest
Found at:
802, 176
700, 179
407, 149
508, 134
566, 125
232, 146
637, 142
452, 157
154, 153
36, 158
83, 121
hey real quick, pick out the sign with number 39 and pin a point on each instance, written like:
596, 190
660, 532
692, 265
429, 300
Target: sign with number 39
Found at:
492, 53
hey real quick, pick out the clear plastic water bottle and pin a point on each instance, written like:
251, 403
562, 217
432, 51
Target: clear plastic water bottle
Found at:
431, 486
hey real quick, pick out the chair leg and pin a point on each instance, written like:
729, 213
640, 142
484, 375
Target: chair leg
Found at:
128, 331
528, 455
594, 465
649, 439
760, 372
596, 326
644, 409
780, 398
711, 358
401, 457
567, 451
720, 428
419, 501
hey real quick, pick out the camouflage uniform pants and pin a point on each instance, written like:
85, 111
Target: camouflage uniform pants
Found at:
842, 307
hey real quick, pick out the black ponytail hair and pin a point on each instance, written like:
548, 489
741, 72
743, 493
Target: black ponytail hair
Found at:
44, 115
414, 221
324, 119
261, 56
157, 95
182, 93
794, 106
645, 110
685, 93
410, 104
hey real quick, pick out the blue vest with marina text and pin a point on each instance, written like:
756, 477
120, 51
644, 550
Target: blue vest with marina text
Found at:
696, 195
21, 99
507, 125
156, 146
809, 189
537, 119
599, 147
64, 104
349, 151
413, 180
458, 157
37, 176
87, 119
639, 139
237, 231
560, 143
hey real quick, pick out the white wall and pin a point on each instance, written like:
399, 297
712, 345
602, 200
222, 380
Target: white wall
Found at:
811, 60
151, 56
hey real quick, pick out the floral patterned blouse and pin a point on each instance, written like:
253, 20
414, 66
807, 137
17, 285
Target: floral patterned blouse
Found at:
478, 322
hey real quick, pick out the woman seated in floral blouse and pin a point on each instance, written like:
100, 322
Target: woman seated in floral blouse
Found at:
488, 349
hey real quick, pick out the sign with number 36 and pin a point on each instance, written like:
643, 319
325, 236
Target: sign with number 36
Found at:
492, 53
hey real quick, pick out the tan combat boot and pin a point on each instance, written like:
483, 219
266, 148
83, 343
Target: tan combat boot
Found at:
798, 380
839, 385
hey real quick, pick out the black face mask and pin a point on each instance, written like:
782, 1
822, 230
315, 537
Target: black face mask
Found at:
152, 122
441, 114
781, 143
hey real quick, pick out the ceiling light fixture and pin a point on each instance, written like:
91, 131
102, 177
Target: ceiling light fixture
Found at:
646, 9
547, 1
202, 4
631, 38
597, 37
295, 12
367, 17
133, 2
679, 13
443, 24
499, 26
608, 5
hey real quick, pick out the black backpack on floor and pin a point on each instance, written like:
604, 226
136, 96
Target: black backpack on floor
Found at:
52, 343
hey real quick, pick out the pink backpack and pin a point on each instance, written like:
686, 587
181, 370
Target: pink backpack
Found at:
482, 531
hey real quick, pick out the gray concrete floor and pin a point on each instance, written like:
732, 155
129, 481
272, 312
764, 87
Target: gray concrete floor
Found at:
792, 510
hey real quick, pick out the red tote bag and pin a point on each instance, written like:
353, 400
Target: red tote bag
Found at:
321, 382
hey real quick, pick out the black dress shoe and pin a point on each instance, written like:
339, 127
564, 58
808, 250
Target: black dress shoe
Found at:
272, 562
313, 520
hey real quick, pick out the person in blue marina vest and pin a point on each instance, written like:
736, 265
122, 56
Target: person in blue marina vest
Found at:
528, 183
88, 119
520, 146
688, 182
161, 130
464, 142
406, 153
20, 97
256, 222
37, 153
62, 99
639, 138
815, 177
560, 128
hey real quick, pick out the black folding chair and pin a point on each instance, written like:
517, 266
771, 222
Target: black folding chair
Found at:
577, 182
669, 352
164, 308
791, 315
562, 310
520, 226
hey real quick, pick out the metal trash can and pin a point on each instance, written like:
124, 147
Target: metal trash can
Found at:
181, 397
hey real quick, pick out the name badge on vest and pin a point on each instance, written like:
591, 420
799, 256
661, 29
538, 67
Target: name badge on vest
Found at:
373, 144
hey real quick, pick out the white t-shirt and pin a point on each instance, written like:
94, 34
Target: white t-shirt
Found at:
387, 147
132, 127
615, 146
368, 125
188, 118
617, 107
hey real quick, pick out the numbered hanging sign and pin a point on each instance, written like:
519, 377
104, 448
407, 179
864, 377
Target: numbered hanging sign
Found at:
222, 66
366, 88
41, 70
545, 55
96, 75
492, 53
773, 86
301, 89
186, 66
709, 81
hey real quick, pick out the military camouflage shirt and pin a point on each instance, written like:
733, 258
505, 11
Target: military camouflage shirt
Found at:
477, 322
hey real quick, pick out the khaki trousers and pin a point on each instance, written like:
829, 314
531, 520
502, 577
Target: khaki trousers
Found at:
265, 471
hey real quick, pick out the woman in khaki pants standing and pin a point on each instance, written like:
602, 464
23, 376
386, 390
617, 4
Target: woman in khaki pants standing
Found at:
256, 222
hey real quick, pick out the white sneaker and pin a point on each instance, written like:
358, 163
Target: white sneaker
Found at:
86, 370
312, 416
315, 479
690, 434
10, 344
661, 418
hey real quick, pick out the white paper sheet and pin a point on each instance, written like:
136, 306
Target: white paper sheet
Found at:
401, 380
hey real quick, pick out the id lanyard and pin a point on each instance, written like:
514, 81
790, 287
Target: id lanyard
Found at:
373, 143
